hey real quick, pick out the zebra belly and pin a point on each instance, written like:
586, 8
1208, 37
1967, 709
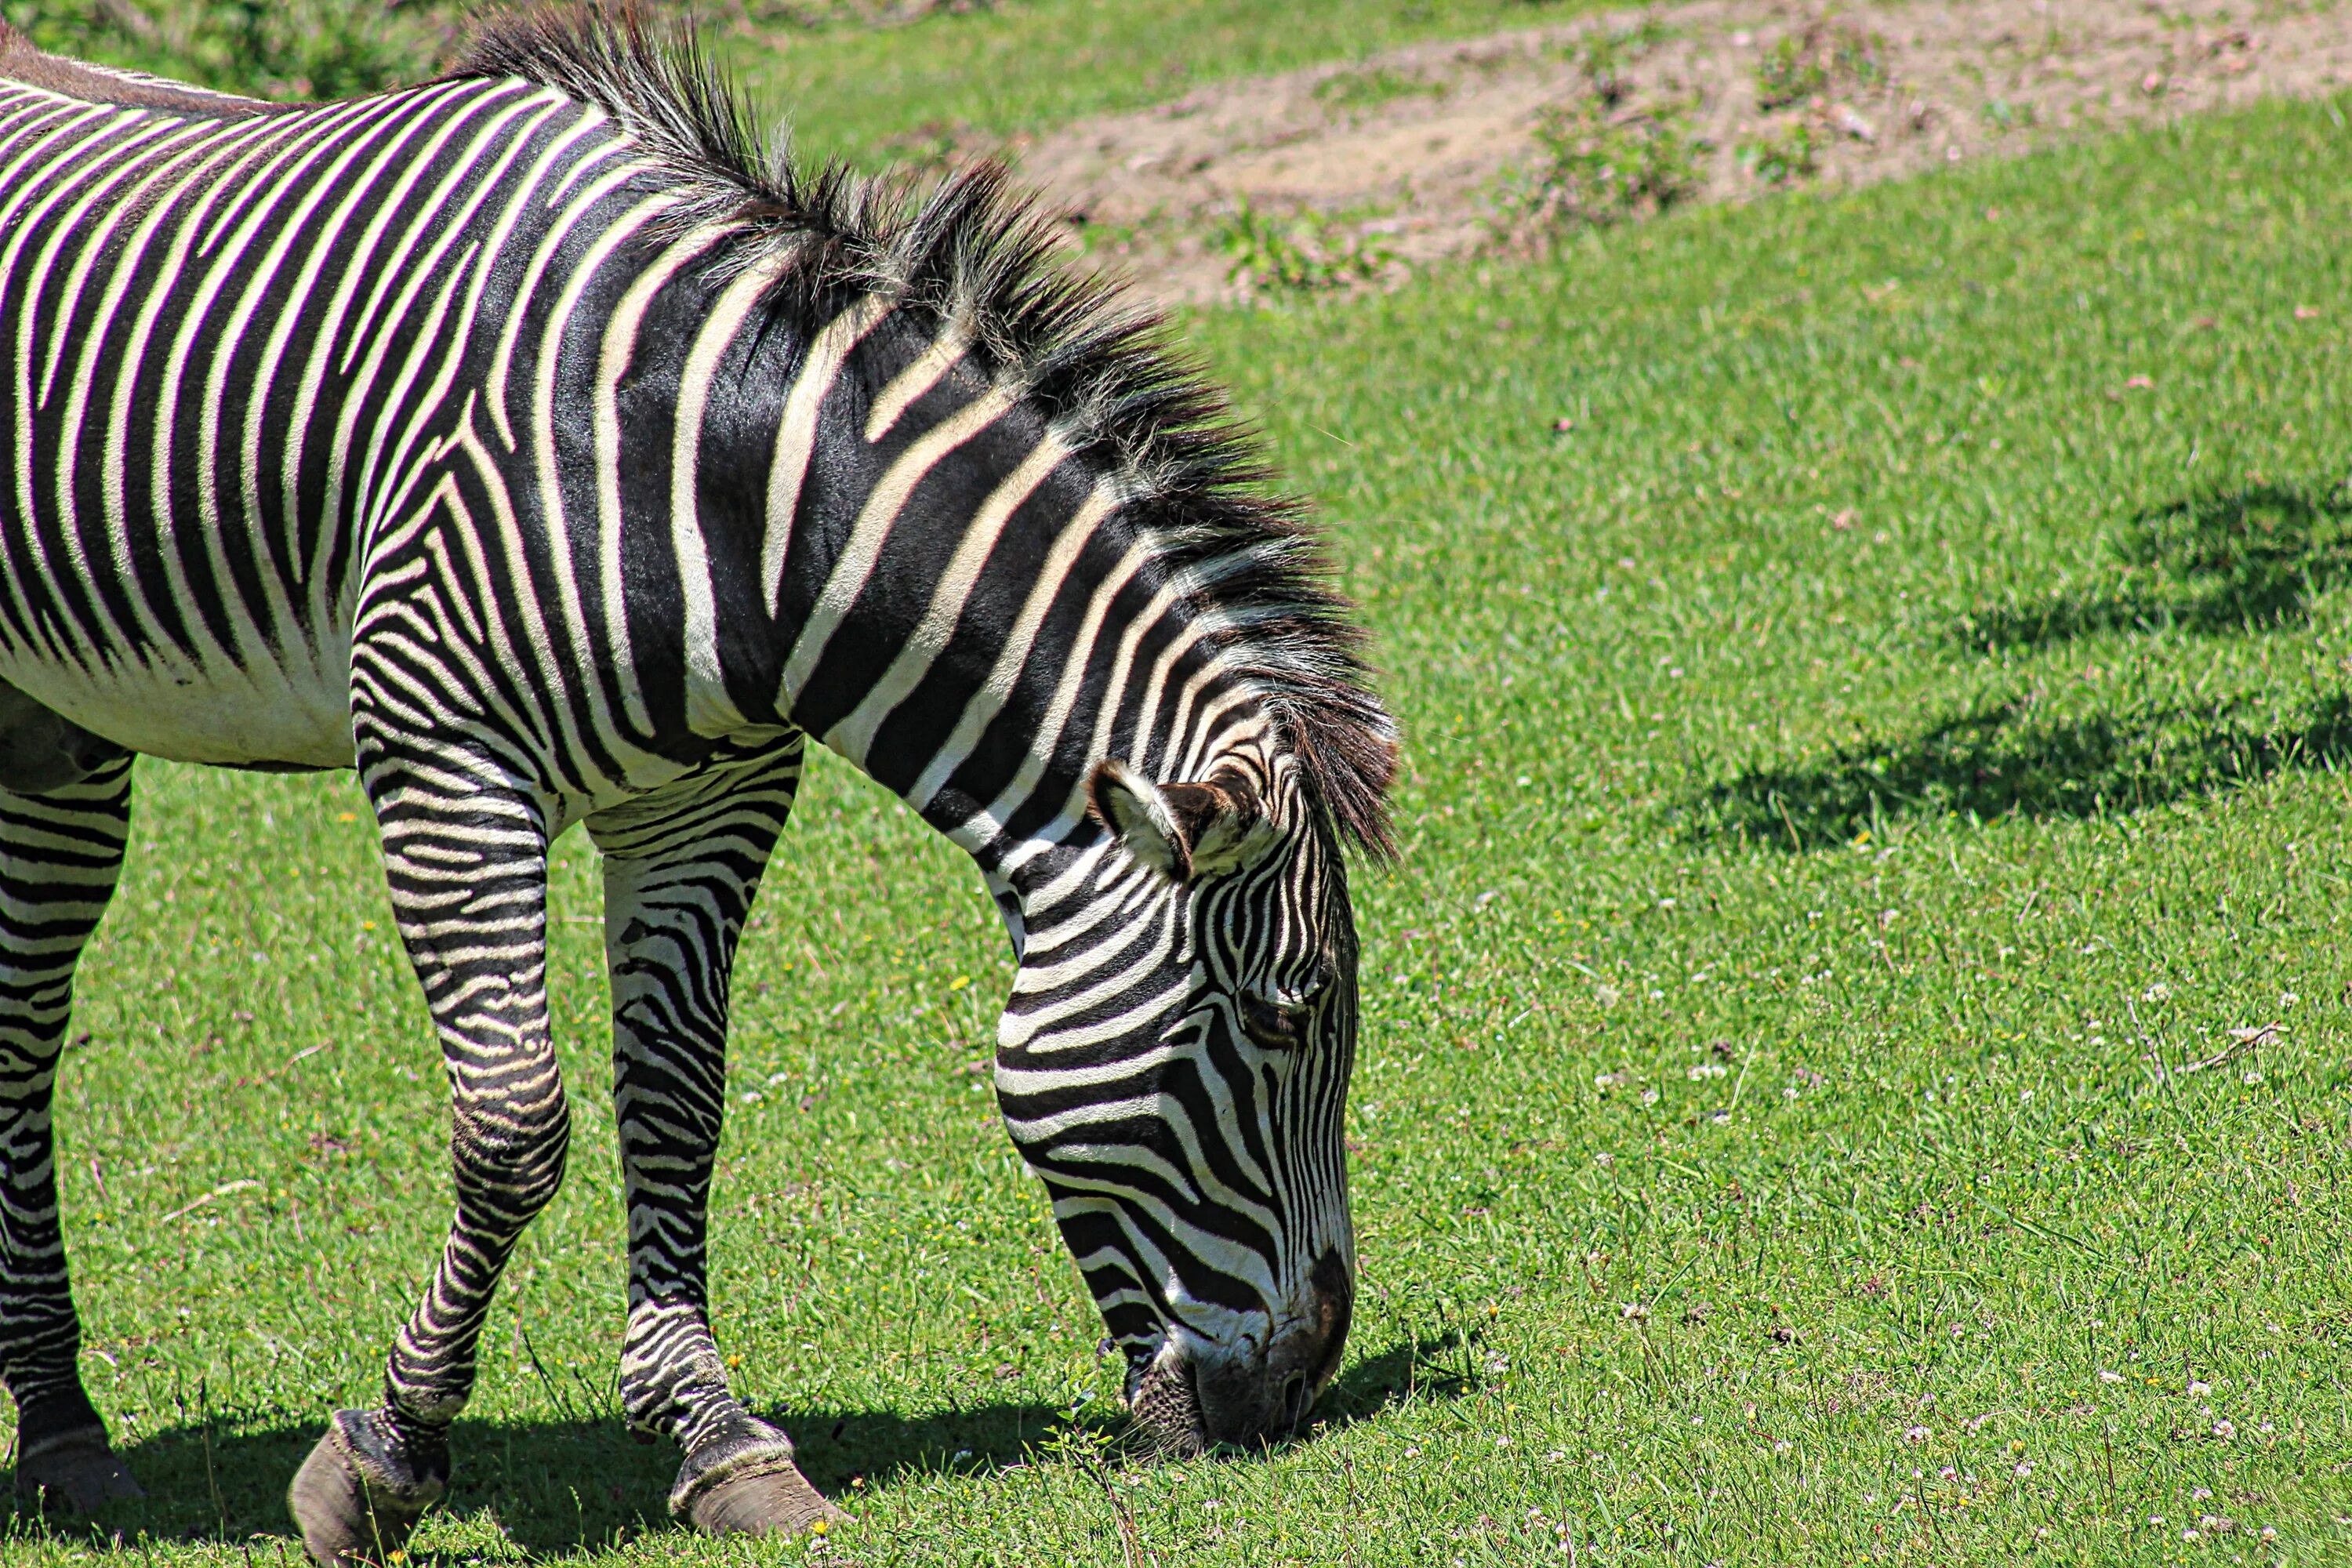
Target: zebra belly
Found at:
293, 712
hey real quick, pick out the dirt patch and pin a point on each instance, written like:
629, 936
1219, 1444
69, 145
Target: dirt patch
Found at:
1350, 175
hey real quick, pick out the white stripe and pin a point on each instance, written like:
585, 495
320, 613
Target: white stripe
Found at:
1074, 657
911, 383
796, 434
618, 353
708, 711
855, 562
549, 489
854, 736
1010, 658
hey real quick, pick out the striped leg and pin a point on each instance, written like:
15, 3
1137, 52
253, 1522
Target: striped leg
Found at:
468, 879
681, 867
61, 852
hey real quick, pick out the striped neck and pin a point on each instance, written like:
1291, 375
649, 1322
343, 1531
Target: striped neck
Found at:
969, 604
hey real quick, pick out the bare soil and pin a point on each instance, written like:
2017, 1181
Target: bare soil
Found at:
1419, 152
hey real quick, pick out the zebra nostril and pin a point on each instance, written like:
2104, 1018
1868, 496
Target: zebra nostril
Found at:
1293, 1402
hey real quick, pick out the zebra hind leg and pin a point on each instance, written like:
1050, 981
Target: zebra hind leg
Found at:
468, 881
62, 826
680, 870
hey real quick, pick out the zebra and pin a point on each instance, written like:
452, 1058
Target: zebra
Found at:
533, 443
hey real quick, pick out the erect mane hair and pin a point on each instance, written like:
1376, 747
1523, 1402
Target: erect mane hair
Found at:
973, 250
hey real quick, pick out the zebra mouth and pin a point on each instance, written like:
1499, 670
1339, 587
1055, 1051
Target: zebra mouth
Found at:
1166, 1403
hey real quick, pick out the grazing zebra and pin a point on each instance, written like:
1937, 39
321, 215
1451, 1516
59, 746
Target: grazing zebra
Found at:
524, 441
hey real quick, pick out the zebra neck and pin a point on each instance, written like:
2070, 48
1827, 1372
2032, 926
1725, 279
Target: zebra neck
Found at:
974, 605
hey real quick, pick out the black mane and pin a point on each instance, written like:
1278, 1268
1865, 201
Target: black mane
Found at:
974, 247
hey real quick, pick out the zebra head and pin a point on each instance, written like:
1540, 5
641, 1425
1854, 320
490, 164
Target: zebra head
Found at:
1174, 1063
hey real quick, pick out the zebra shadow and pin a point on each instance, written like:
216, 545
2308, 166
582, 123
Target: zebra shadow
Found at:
556, 1489
561, 1489
1442, 1365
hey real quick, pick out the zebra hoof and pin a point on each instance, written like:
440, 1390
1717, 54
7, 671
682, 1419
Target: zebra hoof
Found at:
357, 1497
748, 1485
773, 1502
77, 1473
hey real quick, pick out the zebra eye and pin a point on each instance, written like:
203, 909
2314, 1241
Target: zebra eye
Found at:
1273, 1026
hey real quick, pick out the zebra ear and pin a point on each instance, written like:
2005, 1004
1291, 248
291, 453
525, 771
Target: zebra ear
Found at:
1180, 830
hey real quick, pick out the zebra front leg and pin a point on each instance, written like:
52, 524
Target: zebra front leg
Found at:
681, 867
60, 853
469, 879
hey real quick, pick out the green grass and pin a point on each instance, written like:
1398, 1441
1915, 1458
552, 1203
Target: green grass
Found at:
1873, 696
1026, 64
850, 87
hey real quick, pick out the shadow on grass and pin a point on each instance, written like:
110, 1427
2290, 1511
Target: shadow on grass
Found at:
2210, 565
2007, 760
555, 1488
1434, 1366
2246, 560
565, 1488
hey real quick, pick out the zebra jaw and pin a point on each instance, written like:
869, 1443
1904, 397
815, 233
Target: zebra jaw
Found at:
1181, 830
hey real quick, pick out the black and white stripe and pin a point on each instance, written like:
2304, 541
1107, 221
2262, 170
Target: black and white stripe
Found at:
519, 441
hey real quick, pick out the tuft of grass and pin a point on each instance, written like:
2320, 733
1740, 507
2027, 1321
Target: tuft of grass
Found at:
1603, 57
1783, 157
1368, 87
1827, 54
1598, 165
2004, 115
1303, 252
